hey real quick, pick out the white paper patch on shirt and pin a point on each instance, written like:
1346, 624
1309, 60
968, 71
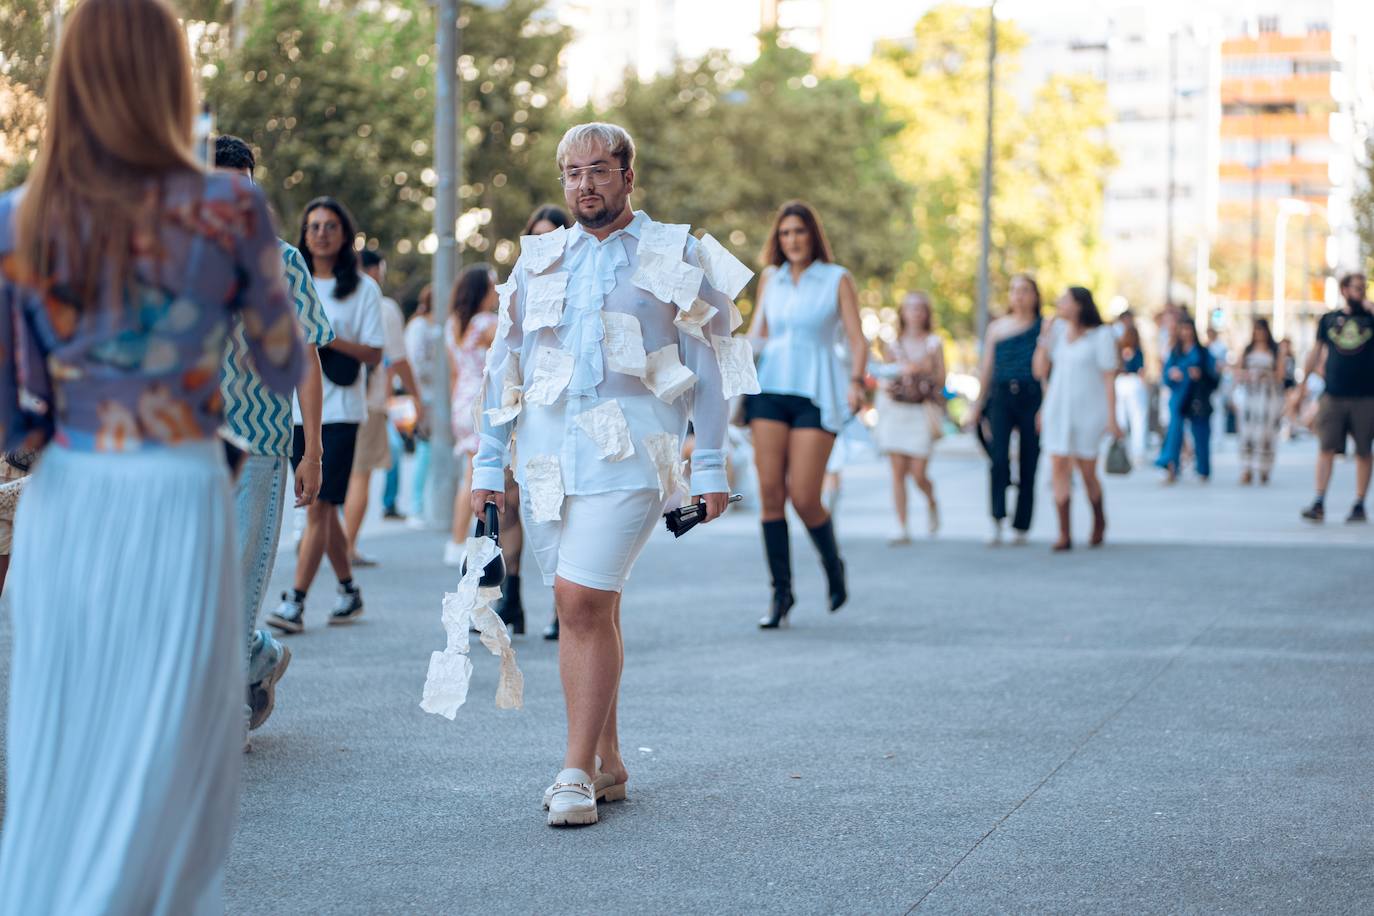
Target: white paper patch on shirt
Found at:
544, 301
665, 451
540, 251
667, 377
504, 322
664, 238
736, 319
724, 271
605, 425
544, 487
552, 370
736, 359
694, 319
623, 343
668, 278
512, 396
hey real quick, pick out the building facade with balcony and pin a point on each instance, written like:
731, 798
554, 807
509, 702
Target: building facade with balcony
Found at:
1294, 96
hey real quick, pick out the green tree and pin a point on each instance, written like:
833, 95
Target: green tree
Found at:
1050, 162
721, 147
341, 103
24, 60
1364, 207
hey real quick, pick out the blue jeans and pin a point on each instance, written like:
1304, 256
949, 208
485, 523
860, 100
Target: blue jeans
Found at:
259, 498
418, 478
1171, 454
393, 474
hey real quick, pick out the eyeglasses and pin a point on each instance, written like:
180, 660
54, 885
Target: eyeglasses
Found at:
599, 174
321, 228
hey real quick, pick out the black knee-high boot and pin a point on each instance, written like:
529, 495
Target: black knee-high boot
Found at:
823, 536
778, 549
509, 607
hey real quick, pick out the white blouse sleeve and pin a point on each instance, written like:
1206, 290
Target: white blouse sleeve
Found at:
1106, 350
710, 406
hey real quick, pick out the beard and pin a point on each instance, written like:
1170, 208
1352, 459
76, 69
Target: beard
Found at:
597, 217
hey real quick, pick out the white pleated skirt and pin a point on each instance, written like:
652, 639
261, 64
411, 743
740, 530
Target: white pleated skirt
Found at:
124, 730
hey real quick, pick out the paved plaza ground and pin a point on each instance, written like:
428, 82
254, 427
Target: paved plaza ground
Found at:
1178, 722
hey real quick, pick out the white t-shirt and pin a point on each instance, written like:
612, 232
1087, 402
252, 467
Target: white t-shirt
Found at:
422, 350
393, 351
357, 319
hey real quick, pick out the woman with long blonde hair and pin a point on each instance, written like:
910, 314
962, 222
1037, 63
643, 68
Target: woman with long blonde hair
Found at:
122, 265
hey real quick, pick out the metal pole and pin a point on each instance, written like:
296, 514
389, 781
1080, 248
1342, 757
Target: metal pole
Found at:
439, 485
239, 32
984, 284
1254, 217
1280, 309
1169, 188
55, 23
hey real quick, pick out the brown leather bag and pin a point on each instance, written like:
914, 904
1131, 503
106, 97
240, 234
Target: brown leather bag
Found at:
912, 388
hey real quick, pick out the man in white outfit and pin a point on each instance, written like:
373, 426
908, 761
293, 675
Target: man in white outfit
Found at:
612, 336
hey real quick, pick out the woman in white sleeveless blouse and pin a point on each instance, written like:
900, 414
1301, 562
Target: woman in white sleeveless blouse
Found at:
805, 397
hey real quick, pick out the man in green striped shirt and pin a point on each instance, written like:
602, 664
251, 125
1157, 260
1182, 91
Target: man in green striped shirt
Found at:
259, 423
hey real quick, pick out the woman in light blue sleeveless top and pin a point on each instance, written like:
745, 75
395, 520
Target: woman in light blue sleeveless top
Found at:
806, 301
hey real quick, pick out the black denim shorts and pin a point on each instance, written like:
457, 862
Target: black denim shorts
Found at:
793, 409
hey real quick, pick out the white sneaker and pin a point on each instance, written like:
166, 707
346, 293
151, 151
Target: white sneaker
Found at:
996, 539
453, 554
572, 802
1020, 538
416, 523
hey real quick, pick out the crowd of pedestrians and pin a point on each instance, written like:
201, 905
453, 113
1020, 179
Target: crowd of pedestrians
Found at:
578, 388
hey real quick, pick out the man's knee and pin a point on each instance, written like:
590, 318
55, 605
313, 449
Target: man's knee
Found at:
583, 609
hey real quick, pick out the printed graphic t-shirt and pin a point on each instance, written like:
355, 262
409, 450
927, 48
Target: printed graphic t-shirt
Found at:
1349, 339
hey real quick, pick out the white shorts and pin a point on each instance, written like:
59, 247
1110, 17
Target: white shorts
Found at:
598, 538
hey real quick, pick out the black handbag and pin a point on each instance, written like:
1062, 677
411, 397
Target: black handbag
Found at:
340, 369
489, 526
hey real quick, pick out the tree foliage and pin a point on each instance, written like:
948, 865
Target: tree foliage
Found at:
1364, 207
722, 146
342, 104
1050, 162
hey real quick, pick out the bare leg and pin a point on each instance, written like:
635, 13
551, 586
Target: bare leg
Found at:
1324, 462
512, 534
1087, 469
1362, 468
808, 450
313, 541
608, 745
899, 471
770, 460
923, 482
337, 547
1061, 477
4, 570
589, 659
462, 501
355, 506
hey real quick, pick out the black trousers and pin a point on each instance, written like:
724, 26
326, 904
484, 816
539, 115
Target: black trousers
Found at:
1013, 406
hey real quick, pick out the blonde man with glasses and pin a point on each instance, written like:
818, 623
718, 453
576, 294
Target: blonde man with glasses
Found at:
613, 334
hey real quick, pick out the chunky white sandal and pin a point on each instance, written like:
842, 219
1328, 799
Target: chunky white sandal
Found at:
605, 786
572, 800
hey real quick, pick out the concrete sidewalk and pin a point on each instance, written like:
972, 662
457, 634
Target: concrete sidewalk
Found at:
1179, 722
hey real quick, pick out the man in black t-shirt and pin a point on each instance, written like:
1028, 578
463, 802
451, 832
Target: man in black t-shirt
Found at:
1345, 340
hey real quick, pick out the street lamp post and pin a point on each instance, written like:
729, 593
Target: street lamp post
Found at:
439, 483
1169, 180
985, 251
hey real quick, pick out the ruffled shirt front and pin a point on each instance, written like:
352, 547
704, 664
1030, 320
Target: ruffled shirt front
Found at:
604, 351
799, 355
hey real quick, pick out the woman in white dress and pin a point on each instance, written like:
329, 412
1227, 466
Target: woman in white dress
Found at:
1076, 353
907, 429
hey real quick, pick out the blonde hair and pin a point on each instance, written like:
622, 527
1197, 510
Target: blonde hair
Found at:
612, 136
120, 110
